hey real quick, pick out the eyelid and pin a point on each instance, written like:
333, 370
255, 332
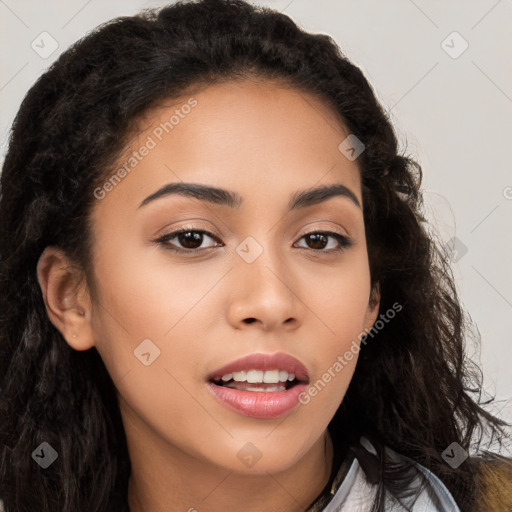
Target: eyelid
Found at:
173, 234
323, 230
343, 240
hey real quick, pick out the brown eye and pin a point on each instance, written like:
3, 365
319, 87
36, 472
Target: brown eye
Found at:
187, 240
319, 240
190, 239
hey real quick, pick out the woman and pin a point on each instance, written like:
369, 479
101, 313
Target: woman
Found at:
308, 357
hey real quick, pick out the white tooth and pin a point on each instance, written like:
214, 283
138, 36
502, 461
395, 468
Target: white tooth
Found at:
269, 389
240, 376
254, 376
271, 376
291, 376
227, 377
283, 376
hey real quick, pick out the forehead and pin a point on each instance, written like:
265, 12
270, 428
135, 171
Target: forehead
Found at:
245, 135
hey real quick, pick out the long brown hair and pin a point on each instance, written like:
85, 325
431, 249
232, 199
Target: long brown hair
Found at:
413, 390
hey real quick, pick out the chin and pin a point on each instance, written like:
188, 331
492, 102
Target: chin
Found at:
258, 455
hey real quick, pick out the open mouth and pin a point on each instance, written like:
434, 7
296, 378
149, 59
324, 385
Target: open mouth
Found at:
257, 380
263, 386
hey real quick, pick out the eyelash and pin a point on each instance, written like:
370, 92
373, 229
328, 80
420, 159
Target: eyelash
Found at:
343, 241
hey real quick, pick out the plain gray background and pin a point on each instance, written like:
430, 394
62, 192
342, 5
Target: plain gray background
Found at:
442, 69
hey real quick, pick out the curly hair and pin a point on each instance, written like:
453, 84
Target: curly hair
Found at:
413, 390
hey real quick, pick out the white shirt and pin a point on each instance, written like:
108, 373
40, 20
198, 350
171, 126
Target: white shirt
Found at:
356, 494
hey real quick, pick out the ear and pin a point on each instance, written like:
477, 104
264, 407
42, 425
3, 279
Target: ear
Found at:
66, 297
373, 307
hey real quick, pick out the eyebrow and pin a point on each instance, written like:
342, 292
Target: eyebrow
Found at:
220, 196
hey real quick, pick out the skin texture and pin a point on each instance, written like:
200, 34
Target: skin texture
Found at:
265, 141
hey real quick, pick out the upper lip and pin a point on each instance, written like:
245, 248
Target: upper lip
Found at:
278, 361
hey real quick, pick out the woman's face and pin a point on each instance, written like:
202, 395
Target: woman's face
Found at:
263, 283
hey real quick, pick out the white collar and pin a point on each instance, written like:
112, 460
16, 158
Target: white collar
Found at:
356, 494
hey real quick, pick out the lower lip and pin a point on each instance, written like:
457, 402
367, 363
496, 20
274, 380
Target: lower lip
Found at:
259, 404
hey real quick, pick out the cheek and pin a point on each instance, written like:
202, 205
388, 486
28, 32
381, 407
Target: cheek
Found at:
148, 331
149, 304
149, 290
340, 301
338, 296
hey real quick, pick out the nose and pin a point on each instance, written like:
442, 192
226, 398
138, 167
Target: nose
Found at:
264, 293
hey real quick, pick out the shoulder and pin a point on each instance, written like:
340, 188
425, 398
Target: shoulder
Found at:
428, 493
494, 488
424, 493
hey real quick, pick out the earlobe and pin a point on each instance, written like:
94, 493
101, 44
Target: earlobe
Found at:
374, 300
373, 307
65, 297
